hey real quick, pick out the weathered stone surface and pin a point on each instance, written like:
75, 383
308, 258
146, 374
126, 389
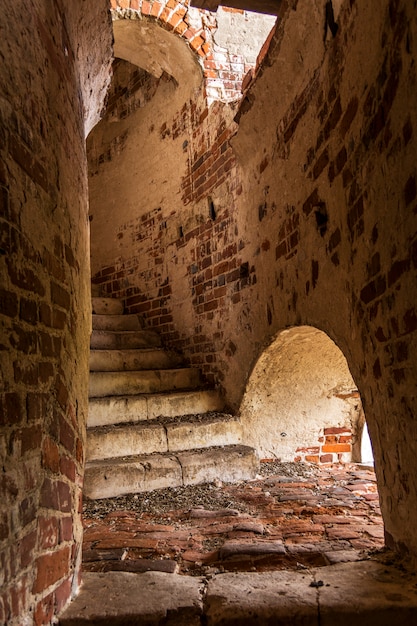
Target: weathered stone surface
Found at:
131, 565
106, 306
113, 477
145, 381
367, 592
250, 527
162, 436
114, 410
184, 403
119, 360
342, 556
213, 515
117, 441
228, 464
127, 598
117, 322
271, 598
221, 431
124, 340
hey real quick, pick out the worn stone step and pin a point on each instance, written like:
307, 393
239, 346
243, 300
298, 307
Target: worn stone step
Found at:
143, 359
118, 410
144, 381
131, 599
364, 593
117, 322
119, 476
124, 340
107, 306
164, 436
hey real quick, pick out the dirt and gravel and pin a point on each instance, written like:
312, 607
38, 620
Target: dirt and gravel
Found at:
209, 496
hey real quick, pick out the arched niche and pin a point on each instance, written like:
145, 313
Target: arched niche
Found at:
301, 402
145, 44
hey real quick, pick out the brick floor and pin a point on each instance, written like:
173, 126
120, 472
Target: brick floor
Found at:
285, 524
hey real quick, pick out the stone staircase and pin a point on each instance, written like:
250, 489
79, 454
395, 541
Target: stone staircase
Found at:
151, 422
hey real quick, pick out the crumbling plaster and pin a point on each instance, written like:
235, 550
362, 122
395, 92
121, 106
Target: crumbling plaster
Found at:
299, 387
313, 223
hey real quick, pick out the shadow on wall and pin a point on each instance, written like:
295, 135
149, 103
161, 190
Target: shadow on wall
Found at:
301, 402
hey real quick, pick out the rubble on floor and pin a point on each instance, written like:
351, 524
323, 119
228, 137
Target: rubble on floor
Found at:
293, 516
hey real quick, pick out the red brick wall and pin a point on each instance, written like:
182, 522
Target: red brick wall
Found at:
44, 304
334, 446
315, 217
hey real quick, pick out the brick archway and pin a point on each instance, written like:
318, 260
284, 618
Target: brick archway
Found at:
171, 15
226, 74
311, 408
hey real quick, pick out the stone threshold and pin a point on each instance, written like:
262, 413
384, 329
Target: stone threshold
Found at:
364, 593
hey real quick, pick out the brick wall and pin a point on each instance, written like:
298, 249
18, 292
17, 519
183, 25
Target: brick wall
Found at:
44, 302
334, 446
315, 216
224, 71
340, 169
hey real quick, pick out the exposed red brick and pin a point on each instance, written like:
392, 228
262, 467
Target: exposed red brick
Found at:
48, 528
373, 290
335, 430
25, 279
44, 610
50, 455
50, 568
336, 447
26, 548
410, 190
66, 529
320, 164
63, 594
326, 458
345, 439
348, 116
146, 7
66, 434
67, 467
156, 9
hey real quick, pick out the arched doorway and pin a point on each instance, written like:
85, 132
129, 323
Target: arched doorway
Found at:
301, 402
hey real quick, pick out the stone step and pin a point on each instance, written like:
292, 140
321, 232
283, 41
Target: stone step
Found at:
117, 322
118, 410
363, 593
123, 360
136, 474
107, 306
130, 599
146, 381
124, 340
164, 436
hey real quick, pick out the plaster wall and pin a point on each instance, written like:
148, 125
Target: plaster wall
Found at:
301, 403
54, 74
